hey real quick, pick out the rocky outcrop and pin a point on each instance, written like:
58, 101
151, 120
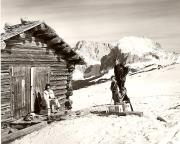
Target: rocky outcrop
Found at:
92, 52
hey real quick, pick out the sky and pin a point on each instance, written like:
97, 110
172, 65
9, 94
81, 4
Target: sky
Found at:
102, 20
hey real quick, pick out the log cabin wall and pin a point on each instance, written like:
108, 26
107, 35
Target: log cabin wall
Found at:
26, 51
5, 93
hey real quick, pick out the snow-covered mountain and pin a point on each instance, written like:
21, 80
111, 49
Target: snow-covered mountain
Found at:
137, 52
92, 52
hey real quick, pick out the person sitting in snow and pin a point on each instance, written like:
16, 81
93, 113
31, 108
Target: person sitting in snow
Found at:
115, 91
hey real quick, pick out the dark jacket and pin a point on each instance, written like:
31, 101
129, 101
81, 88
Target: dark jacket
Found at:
120, 72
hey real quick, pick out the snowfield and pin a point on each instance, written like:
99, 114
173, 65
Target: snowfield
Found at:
155, 93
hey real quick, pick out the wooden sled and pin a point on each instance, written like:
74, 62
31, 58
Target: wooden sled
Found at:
120, 109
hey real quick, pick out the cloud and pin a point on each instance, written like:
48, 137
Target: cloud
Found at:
102, 20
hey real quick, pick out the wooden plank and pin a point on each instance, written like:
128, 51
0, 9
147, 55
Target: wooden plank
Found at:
10, 137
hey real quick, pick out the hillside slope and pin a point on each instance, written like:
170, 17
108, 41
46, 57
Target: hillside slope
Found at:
155, 93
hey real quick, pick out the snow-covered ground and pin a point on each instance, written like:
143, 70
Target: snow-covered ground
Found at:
155, 93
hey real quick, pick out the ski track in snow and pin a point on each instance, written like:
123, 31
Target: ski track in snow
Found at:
155, 93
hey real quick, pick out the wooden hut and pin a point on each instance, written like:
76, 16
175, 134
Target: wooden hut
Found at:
32, 54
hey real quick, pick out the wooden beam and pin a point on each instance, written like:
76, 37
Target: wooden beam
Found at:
11, 137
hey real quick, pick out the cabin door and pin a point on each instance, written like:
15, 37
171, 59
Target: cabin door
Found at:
20, 91
39, 79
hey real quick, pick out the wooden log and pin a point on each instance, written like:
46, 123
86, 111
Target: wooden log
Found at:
69, 93
5, 113
5, 105
33, 52
58, 87
18, 60
59, 68
60, 97
64, 70
5, 110
60, 83
54, 41
59, 74
5, 94
5, 77
4, 71
5, 81
28, 47
30, 63
4, 67
5, 99
60, 92
57, 78
62, 101
26, 56
11, 42
47, 35
4, 74
5, 118
10, 137
5, 88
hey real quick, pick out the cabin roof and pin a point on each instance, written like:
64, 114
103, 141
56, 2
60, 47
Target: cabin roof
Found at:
42, 30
